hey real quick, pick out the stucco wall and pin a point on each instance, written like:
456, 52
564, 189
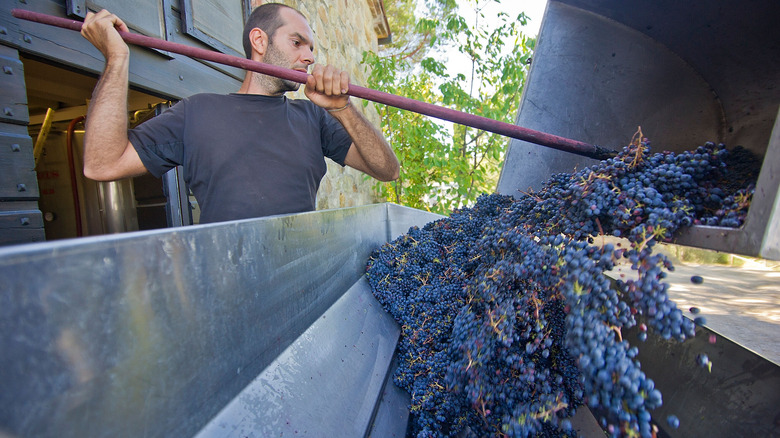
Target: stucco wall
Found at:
343, 30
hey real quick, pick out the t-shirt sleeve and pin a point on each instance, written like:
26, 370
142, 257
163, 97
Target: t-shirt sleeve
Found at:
159, 141
335, 139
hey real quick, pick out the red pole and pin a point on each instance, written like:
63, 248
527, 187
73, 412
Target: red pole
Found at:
428, 109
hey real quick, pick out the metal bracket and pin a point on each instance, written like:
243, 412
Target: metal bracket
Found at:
177, 206
76, 8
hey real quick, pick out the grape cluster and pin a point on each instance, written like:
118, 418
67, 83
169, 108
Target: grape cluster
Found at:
508, 320
419, 278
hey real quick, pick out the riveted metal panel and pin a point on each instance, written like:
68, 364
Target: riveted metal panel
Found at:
17, 165
13, 98
20, 219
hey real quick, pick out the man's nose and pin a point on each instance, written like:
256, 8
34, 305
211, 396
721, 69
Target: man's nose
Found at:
308, 57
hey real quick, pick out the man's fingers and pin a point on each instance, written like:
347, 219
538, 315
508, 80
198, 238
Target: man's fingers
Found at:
120, 25
327, 81
327, 87
330, 81
88, 20
339, 81
107, 17
311, 82
344, 82
101, 28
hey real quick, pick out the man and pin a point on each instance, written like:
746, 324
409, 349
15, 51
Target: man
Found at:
248, 154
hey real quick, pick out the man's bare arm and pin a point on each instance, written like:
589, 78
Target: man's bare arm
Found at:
108, 154
370, 152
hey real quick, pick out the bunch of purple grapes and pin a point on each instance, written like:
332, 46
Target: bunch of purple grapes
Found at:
419, 280
509, 321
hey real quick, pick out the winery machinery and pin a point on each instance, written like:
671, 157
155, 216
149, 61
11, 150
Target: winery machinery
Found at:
267, 327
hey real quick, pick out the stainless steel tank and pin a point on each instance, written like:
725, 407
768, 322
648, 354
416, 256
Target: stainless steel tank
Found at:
685, 72
103, 207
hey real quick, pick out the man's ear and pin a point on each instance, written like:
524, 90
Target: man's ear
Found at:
259, 40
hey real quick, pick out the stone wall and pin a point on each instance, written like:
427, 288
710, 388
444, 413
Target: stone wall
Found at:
343, 30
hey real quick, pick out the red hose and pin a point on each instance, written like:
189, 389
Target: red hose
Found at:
72, 168
484, 123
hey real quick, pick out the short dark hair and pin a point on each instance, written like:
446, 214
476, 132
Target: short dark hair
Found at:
267, 18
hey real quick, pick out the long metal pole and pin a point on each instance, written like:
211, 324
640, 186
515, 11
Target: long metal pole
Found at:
428, 109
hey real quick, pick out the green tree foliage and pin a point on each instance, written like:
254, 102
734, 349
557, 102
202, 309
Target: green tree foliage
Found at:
443, 166
414, 37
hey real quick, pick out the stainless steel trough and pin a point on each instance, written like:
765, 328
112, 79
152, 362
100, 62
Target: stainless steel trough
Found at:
251, 328
262, 327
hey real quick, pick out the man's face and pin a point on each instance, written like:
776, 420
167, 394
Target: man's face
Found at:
291, 47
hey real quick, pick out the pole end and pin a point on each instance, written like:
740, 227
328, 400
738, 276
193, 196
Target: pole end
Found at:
602, 153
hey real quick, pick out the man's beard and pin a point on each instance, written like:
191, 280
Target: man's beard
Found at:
276, 57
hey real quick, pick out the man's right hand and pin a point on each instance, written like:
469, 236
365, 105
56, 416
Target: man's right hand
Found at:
101, 30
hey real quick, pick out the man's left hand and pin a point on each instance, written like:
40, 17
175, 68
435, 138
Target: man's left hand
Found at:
327, 87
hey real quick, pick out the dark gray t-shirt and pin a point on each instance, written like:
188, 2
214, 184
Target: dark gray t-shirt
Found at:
244, 155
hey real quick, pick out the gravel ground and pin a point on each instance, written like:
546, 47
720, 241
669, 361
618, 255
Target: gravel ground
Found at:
740, 303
